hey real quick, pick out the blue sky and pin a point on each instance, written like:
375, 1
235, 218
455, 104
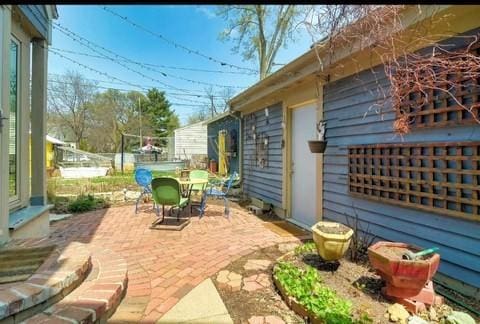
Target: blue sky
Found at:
196, 27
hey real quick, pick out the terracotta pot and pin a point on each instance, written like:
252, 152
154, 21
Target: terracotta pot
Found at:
331, 246
317, 146
404, 278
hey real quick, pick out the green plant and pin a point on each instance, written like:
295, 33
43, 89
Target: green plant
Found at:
306, 248
86, 203
305, 285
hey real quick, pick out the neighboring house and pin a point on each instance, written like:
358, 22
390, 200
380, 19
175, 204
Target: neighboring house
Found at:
191, 140
309, 187
50, 144
223, 133
25, 35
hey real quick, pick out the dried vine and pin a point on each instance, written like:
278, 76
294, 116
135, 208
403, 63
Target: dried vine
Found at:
414, 76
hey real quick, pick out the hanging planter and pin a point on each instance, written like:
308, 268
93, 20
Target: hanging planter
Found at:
319, 146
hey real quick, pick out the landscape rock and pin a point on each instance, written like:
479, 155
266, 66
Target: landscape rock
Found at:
287, 247
459, 318
397, 313
257, 264
416, 320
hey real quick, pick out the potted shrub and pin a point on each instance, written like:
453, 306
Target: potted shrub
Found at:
332, 239
404, 278
319, 146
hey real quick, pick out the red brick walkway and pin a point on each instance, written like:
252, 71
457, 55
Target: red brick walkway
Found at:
163, 266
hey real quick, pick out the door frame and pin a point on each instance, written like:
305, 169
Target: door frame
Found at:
318, 101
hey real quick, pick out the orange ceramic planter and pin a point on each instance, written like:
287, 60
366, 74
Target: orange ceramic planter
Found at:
404, 278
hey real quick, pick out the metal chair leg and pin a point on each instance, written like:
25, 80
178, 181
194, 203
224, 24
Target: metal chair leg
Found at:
136, 204
227, 210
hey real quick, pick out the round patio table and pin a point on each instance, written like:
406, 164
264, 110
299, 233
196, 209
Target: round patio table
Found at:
188, 184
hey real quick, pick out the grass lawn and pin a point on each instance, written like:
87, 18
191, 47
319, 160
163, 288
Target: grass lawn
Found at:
116, 182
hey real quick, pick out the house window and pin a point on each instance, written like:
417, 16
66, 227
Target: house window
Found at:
434, 177
14, 121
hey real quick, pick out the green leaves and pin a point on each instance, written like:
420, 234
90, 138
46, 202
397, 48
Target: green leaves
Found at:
305, 285
306, 248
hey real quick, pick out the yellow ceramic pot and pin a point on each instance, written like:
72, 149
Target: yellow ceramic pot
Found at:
332, 239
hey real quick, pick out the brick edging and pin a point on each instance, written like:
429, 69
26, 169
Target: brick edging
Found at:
60, 274
98, 299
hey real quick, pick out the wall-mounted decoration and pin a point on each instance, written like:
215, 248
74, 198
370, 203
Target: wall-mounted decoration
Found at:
261, 151
436, 177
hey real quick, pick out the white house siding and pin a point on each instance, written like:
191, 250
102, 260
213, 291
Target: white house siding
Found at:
191, 140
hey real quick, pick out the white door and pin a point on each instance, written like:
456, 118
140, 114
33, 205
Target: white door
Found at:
303, 191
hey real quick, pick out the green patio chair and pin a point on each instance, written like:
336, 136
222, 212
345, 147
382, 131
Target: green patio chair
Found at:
196, 188
198, 174
166, 191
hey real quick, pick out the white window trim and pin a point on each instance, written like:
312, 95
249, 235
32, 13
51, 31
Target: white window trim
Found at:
23, 141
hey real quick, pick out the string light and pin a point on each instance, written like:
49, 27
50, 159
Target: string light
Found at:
176, 45
89, 44
159, 65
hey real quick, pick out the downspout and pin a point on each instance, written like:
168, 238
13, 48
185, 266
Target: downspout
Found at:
240, 144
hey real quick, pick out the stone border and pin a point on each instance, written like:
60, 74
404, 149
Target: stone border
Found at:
95, 300
291, 302
60, 273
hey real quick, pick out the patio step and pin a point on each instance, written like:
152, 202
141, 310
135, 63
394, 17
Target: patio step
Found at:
96, 299
60, 273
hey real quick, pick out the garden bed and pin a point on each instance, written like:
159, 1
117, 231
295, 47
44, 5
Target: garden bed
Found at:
347, 288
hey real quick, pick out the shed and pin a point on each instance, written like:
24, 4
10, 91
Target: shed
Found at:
224, 142
428, 196
191, 140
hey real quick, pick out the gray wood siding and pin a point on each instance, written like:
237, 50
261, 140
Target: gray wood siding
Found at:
345, 104
264, 183
37, 15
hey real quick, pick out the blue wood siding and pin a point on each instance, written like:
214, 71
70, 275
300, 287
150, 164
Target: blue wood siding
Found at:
230, 124
264, 183
345, 104
37, 15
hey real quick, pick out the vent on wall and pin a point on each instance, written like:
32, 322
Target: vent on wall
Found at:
436, 177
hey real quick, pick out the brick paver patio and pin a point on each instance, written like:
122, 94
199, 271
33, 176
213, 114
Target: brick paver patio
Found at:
163, 266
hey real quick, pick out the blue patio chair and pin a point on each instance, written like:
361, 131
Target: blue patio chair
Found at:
219, 192
143, 177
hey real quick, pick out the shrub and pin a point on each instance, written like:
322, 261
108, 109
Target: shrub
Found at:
86, 203
307, 288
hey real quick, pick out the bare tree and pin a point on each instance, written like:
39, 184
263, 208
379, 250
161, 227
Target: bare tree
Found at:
260, 30
218, 100
69, 100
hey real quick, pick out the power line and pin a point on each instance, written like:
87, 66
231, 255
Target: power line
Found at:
105, 74
144, 87
176, 45
82, 40
160, 65
78, 39
171, 103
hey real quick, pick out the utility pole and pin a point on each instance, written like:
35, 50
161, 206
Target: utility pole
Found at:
140, 115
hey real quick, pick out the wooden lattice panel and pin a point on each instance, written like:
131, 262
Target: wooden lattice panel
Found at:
436, 177
437, 108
